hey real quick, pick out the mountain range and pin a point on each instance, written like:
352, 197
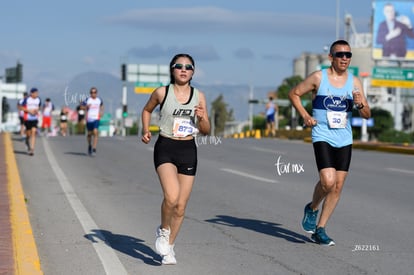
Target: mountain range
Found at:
110, 90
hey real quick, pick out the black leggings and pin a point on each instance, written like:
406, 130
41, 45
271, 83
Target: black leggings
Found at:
328, 156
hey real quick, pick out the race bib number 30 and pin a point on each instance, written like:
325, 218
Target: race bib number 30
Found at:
337, 119
183, 127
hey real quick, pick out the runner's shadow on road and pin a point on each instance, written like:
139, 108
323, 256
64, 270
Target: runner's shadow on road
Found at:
18, 139
20, 152
126, 244
77, 154
264, 227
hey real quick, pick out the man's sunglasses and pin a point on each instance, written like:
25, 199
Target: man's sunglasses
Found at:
342, 54
188, 67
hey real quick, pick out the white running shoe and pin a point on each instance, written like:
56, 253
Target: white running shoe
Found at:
162, 243
169, 259
172, 249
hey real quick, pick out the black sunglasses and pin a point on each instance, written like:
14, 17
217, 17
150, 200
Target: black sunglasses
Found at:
342, 54
188, 67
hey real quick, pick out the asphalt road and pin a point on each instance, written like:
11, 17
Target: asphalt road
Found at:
97, 215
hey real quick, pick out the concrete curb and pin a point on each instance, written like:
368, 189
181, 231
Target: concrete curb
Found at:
382, 147
399, 149
26, 258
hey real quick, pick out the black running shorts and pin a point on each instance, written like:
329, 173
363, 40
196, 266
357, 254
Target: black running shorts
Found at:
181, 153
29, 124
328, 156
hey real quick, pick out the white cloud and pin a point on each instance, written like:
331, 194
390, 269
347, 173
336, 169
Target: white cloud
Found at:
198, 52
219, 20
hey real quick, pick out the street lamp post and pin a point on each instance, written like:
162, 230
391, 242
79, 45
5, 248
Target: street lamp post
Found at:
251, 108
337, 19
364, 132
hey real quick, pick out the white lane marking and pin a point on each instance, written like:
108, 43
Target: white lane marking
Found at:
239, 173
267, 150
109, 259
401, 170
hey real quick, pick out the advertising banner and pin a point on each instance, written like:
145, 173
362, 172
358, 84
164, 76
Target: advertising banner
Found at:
393, 35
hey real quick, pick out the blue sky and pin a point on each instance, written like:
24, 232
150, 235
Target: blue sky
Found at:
233, 41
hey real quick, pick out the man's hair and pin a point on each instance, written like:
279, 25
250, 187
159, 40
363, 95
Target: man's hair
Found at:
388, 4
337, 42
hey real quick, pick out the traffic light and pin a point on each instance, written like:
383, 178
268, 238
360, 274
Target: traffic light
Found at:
124, 110
123, 72
5, 108
14, 74
19, 73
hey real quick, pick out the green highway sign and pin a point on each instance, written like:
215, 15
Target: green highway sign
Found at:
148, 84
393, 77
393, 73
147, 87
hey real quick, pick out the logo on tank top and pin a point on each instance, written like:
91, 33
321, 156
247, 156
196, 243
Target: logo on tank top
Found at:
182, 112
336, 103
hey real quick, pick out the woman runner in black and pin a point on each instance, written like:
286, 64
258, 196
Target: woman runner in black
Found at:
183, 114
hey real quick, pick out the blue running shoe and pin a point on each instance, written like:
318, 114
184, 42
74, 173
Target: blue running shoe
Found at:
89, 150
321, 238
309, 219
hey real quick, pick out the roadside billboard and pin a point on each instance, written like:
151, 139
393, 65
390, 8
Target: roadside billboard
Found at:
393, 35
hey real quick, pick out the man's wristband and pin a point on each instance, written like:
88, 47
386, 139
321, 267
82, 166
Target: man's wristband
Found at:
360, 106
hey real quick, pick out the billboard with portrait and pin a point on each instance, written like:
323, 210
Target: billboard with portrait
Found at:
393, 35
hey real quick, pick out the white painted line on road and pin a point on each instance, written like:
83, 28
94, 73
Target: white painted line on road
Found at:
267, 150
401, 170
109, 259
239, 173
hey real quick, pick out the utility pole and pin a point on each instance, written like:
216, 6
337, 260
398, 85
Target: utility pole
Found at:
251, 108
124, 97
364, 132
337, 19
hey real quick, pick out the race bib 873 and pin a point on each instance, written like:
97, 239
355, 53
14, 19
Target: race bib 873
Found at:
183, 127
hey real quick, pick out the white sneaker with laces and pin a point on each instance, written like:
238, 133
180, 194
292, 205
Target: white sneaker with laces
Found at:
162, 242
169, 259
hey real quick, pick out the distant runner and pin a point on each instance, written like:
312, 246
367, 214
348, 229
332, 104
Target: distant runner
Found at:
31, 108
21, 114
94, 110
47, 109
